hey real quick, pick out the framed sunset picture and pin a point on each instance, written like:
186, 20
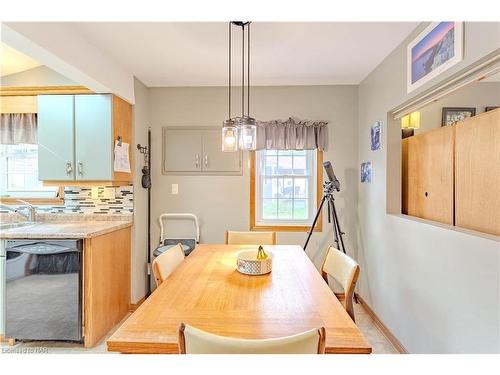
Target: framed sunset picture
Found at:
434, 50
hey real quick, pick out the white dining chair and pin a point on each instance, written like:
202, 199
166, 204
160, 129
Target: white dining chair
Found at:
167, 262
345, 271
196, 341
250, 238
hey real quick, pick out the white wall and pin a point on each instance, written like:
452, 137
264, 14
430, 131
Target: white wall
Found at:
436, 289
61, 47
39, 76
222, 202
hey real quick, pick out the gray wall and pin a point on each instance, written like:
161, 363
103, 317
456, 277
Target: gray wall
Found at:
39, 76
223, 202
477, 95
435, 288
140, 228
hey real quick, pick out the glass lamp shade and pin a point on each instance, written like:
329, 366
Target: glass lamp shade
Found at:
229, 136
248, 133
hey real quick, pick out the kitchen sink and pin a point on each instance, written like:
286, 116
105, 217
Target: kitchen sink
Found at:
18, 224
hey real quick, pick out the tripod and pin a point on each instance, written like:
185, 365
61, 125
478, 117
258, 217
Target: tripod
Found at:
328, 188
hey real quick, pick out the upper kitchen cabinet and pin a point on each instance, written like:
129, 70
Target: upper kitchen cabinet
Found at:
55, 137
197, 150
76, 136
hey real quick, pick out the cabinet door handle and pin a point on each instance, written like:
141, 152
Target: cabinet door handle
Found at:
197, 160
206, 160
69, 168
80, 168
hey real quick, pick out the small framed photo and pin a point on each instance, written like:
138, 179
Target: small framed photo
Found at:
490, 108
452, 115
366, 172
375, 135
434, 50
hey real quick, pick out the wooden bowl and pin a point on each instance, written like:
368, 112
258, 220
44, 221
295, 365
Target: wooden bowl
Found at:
248, 264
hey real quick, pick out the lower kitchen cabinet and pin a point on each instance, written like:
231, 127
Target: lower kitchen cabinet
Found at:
106, 283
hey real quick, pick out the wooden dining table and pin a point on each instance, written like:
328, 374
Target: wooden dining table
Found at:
207, 292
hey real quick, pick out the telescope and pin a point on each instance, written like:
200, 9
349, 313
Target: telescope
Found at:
333, 181
328, 187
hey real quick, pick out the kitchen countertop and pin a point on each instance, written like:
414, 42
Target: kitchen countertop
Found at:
69, 229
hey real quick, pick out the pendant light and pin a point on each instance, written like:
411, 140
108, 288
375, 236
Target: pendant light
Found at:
240, 132
229, 129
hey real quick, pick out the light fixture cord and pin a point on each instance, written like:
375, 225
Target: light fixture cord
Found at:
243, 70
229, 101
248, 72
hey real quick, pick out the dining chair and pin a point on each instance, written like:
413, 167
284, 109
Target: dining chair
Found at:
195, 341
167, 262
249, 238
345, 271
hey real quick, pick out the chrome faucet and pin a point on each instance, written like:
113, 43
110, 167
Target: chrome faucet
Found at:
30, 215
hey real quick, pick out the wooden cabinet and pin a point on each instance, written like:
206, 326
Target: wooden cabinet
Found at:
76, 135
197, 150
106, 283
428, 175
452, 174
477, 173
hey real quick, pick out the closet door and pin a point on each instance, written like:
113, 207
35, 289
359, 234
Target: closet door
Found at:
216, 161
182, 151
429, 175
477, 173
56, 138
93, 137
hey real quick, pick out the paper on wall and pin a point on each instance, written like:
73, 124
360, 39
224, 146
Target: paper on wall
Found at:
122, 163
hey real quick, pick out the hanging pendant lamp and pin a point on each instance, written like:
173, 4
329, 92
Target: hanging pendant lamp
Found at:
240, 132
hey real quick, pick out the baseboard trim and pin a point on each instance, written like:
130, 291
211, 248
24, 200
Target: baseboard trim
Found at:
134, 306
385, 331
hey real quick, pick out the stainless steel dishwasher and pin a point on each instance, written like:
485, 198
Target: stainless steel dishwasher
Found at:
43, 290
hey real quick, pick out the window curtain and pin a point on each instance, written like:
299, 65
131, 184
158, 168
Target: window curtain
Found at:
16, 128
292, 134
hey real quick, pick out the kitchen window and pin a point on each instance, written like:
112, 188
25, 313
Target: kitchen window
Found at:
19, 174
284, 189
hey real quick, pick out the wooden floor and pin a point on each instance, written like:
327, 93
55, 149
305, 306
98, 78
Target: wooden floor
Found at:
377, 340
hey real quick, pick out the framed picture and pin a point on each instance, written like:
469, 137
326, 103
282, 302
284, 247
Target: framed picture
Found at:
375, 134
490, 108
366, 172
434, 50
452, 115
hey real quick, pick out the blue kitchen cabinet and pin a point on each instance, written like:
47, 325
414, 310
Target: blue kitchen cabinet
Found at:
56, 137
93, 137
76, 136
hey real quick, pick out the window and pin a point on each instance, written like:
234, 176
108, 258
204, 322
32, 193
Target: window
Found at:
19, 173
285, 189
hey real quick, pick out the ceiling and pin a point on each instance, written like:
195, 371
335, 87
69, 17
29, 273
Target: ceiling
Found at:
12, 61
290, 53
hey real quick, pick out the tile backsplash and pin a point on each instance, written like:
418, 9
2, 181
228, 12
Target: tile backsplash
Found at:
80, 200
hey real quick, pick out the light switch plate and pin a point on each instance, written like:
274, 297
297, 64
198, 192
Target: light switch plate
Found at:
175, 189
